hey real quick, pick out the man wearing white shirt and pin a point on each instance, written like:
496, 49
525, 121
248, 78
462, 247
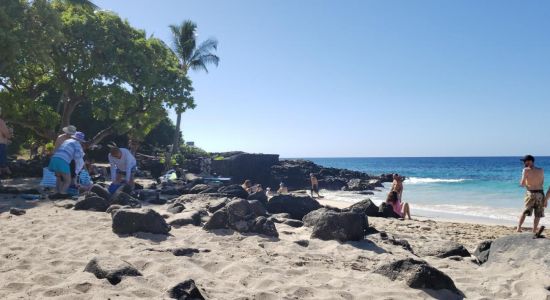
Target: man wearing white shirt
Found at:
123, 165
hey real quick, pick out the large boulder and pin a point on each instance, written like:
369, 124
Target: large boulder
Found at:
262, 225
332, 183
112, 269
175, 208
129, 221
94, 203
219, 220
100, 191
442, 249
417, 274
482, 251
258, 208
186, 290
235, 191
313, 217
239, 210
366, 206
520, 250
341, 226
296, 206
216, 205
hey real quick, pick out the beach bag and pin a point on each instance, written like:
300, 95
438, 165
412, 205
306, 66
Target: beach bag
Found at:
48, 178
84, 178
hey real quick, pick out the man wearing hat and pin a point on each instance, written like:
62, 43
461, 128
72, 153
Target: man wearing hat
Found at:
533, 180
68, 132
71, 149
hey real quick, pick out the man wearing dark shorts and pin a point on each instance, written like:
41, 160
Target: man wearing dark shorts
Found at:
533, 180
314, 185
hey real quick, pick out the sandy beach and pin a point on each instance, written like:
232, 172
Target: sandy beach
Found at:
43, 254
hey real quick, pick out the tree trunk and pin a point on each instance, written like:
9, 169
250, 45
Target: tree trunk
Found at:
175, 143
101, 135
68, 108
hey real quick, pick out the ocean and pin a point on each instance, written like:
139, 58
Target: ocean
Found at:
481, 189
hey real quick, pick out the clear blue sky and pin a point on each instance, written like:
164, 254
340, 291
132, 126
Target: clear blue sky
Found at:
316, 78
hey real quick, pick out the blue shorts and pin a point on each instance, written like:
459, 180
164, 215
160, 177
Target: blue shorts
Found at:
3, 156
58, 165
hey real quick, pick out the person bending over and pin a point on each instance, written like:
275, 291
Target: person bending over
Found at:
532, 180
123, 165
69, 150
400, 210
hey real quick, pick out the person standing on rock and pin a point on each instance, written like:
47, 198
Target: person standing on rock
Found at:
533, 180
314, 185
5, 136
123, 165
69, 150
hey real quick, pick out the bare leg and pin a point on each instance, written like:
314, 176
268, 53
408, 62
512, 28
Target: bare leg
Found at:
58, 182
66, 183
406, 210
521, 220
536, 224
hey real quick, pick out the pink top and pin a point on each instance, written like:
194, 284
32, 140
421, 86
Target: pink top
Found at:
397, 207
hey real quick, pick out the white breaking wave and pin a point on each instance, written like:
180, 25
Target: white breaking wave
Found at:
418, 180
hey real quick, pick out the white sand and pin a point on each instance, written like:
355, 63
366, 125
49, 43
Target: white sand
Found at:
43, 255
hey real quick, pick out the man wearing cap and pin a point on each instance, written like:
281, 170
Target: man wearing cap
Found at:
533, 180
123, 165
69, 150
68, 132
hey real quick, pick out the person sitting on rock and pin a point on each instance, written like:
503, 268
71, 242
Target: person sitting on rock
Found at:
314, 185
123, 165
247, 186
400, 210
68, 151
283, 190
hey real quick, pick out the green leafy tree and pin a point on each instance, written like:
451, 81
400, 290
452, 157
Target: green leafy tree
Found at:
191, 56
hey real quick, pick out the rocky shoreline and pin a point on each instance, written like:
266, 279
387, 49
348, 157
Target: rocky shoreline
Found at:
187, 239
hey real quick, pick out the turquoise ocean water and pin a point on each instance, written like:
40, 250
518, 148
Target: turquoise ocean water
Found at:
485, 188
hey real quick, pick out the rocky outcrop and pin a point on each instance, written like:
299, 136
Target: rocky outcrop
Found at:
110, 268
186, 290
443, 249
242, 166
341, 226
313, 217
129, 221
417, 274
296, 206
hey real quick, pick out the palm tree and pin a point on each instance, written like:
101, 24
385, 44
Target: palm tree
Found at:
192, 57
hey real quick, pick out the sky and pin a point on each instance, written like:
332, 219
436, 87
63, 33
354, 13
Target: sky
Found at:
320, 78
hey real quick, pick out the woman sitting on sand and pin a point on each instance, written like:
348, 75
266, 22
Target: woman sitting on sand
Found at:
400, 210
247, 186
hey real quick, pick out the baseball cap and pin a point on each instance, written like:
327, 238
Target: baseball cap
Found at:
528, 158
